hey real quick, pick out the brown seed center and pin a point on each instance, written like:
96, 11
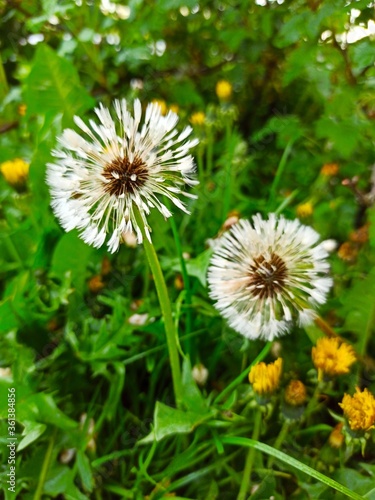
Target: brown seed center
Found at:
124, 176
267, 277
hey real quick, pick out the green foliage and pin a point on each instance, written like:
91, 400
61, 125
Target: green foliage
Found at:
82, 330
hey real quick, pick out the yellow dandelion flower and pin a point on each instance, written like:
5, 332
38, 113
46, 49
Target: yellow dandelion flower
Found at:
174, 108
305, 210
162, 104
15, 171
295, 393
224, 90
359, 410
22, 109
329, 169
265, 378
197, 118
332, 357
336, 438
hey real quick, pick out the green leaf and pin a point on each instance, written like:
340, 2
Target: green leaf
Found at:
53, 86
65, 260
363, 54
265, 448
58, 479
193, 399
44, 409
196, 267
344, 134
84, 470
170, 421
117, 380
355, 480
31, 432
358, 305
371, 218
7, 315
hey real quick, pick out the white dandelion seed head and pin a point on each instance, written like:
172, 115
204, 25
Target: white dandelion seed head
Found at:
266, 275
115, 164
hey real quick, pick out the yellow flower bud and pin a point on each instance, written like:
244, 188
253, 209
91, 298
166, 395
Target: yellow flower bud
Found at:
359, 410
265, 378
332, 357
295, 393
224, 90
197, 118
15, 171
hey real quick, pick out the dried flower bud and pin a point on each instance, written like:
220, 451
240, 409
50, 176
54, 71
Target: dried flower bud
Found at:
200, 374
295, 393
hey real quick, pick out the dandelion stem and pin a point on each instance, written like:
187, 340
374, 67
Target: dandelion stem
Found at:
313, 403
45, 467
186, 280
245, 483
166, 309
263, 353
279, 173
325, 327
209, 152
279, 441
200, 164
228, 171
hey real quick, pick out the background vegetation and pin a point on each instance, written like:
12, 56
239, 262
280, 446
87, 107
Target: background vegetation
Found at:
82, 330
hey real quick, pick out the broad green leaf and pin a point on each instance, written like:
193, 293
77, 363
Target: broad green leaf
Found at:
196, 267
32, 432
84, 470
170, 421
354, 480
53, 86
363, 54
58, 479
193, 399
359, 307
44, 409
117, 380
71, 255
344, 134
371, 217
8, 316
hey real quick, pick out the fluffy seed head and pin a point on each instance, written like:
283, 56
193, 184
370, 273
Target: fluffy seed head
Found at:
116, 164
266, 274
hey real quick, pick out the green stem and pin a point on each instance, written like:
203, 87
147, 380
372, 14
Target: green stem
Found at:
13, 250
325, 327
245, 483
166, 309
185, 275
209, 152
263, 353
200, 165
279, 441
228, 171
279, 173
4, 87
364, 339
45, 467
313, 403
